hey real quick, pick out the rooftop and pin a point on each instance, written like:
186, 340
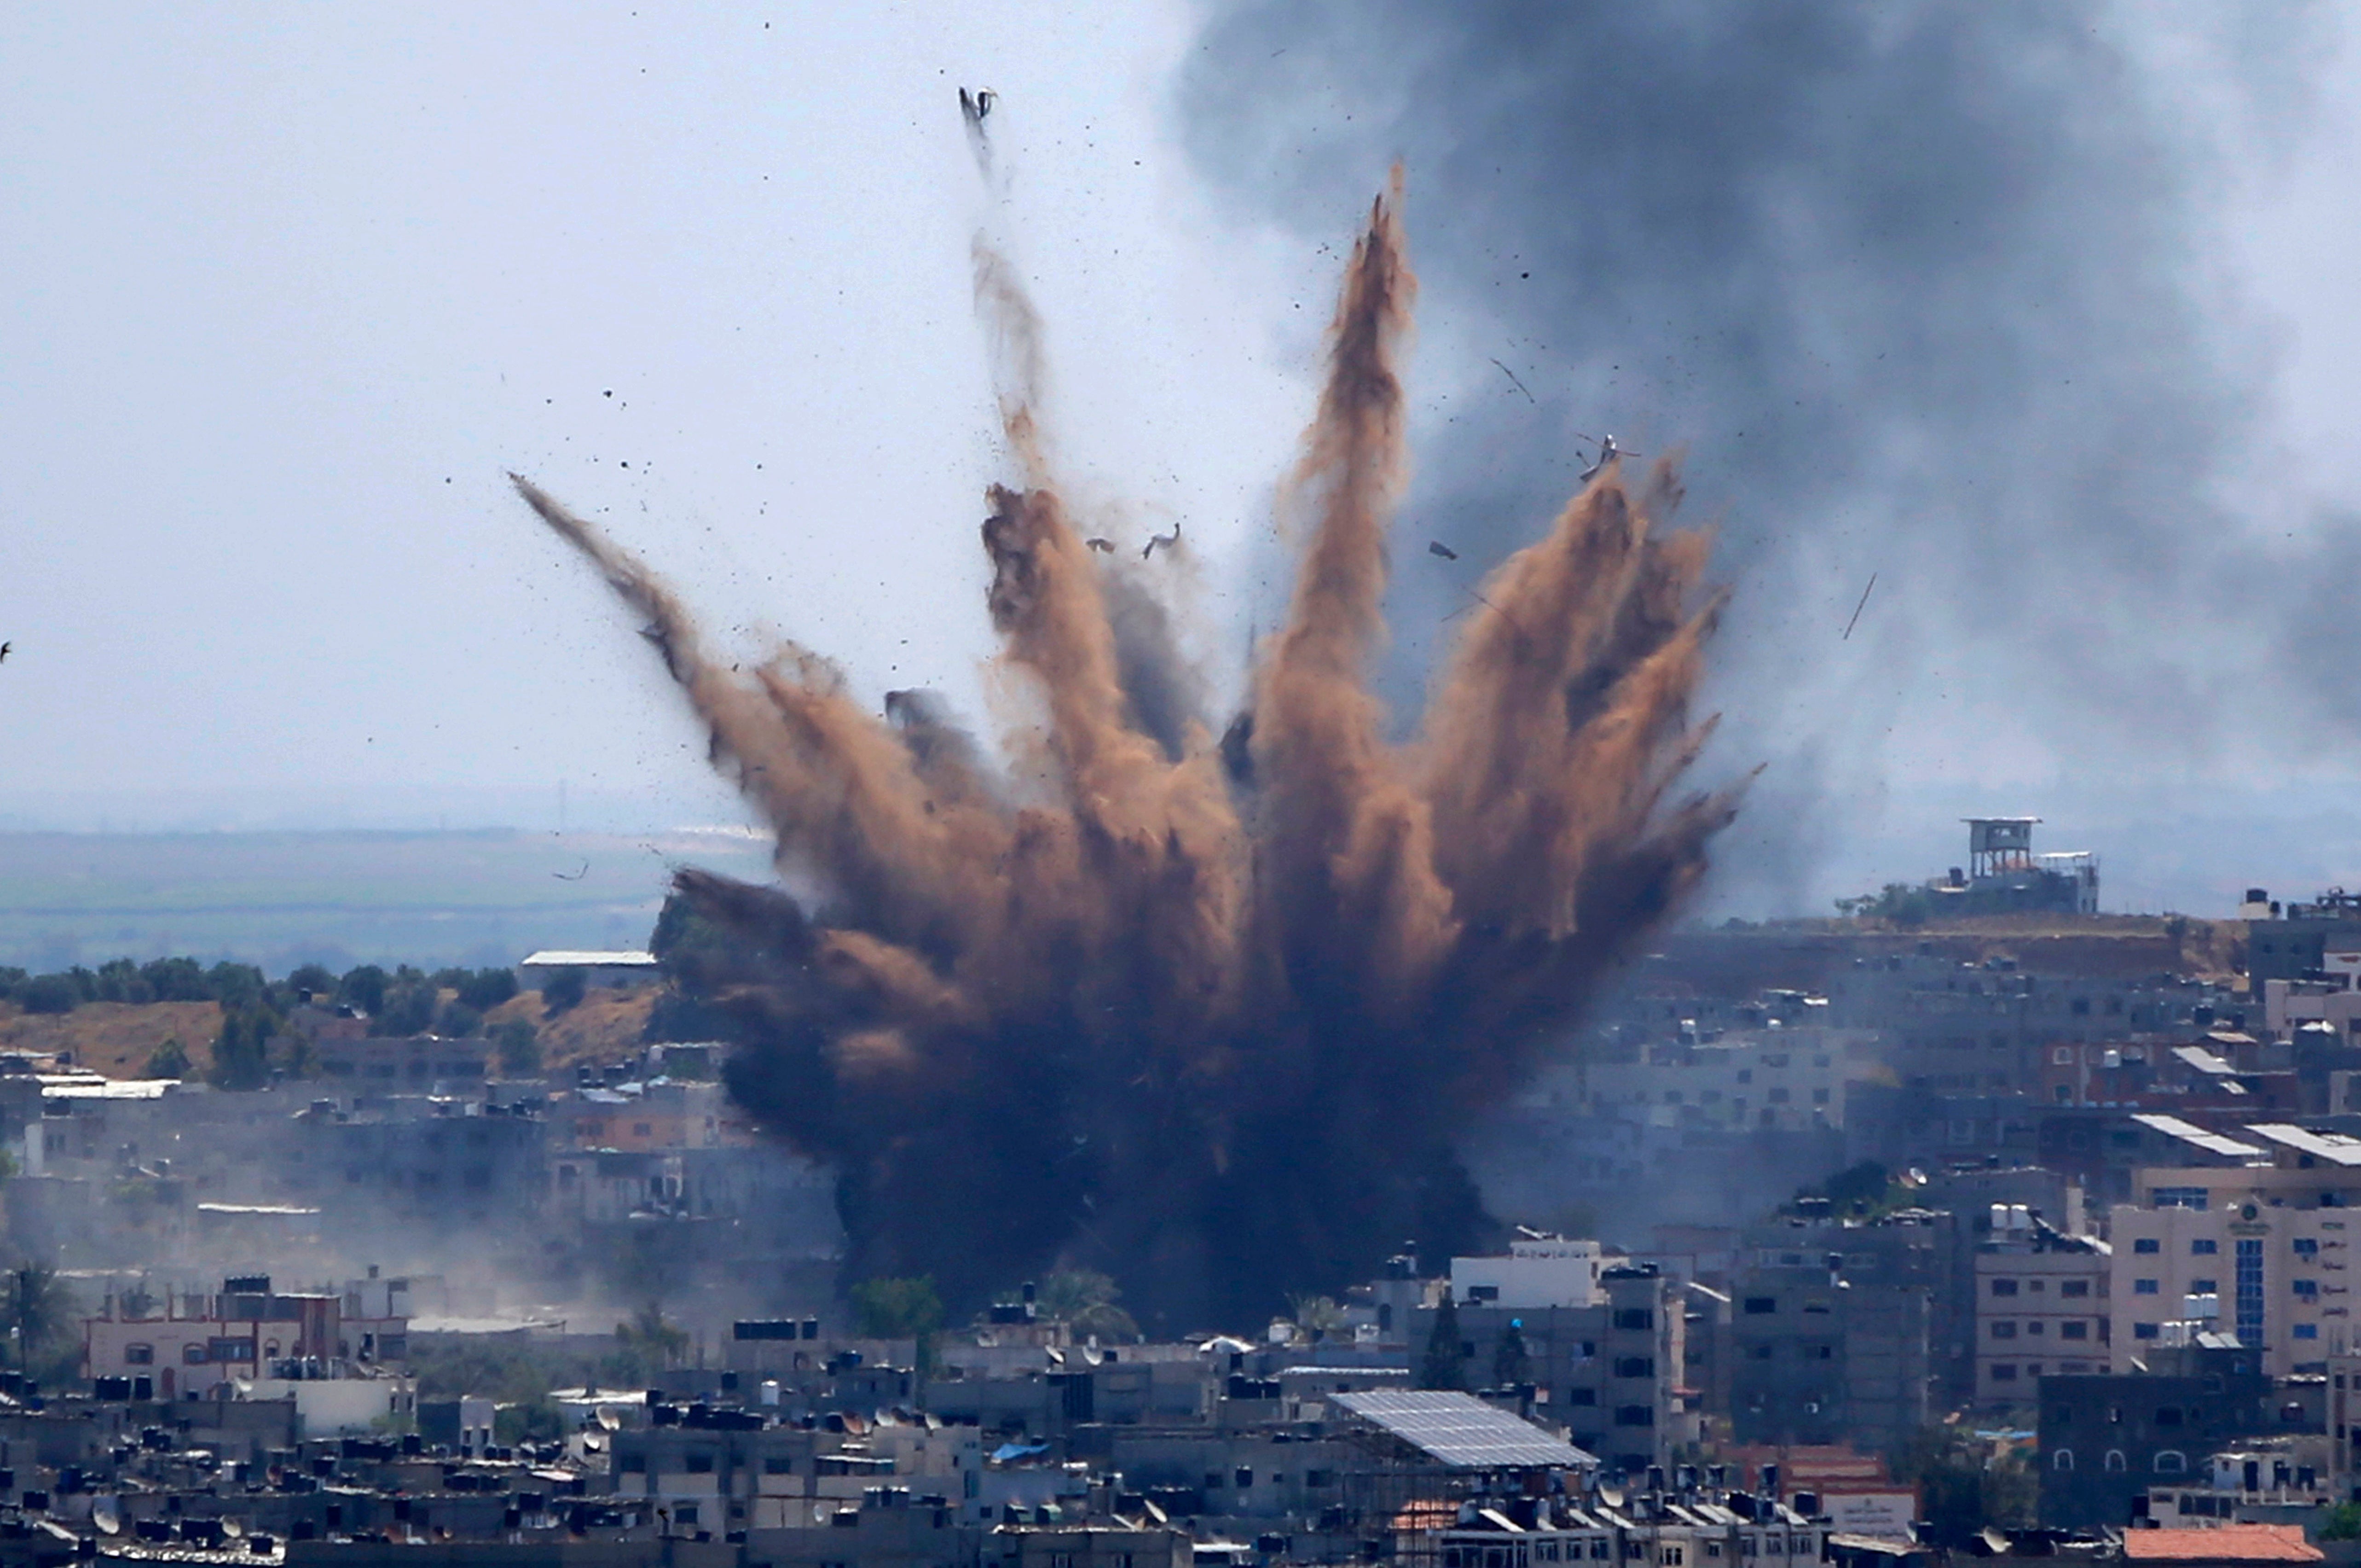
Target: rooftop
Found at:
584, 958
2191, 1133
1460, 1432
2336, 1148
2226, 1543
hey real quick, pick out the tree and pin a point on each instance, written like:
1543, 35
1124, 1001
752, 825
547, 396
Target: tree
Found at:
486, 988
170, 1059
313, 979
33, 1309
50, 993
651, 1341
1962, 1484
362, 989
1445, 1360
891, 1308
176, 980
408, 1009
1511, 1364
564, 990
242, 1049
519, 1044
457, 1020
888, 1308
1085, 1300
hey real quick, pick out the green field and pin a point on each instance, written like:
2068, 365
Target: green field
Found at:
283, 898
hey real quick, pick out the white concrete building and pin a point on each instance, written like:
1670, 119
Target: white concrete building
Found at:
1539, 1272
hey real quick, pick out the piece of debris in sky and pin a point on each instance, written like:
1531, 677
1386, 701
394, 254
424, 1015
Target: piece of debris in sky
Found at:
1512, 375
1437, 547
1858, 608
1169, 541
1104, 546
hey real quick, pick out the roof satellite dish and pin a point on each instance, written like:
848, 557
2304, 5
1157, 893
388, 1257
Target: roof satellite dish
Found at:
232, 1528
1610, 1494
104, 1515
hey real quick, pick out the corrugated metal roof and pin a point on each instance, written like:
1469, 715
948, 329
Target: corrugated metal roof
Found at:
2191, 1133
1460, 1432
572, 958
2333, 1147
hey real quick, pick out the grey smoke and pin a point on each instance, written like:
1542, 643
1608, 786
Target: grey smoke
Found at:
1929, 291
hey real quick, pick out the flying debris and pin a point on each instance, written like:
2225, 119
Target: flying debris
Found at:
1608, 452
4, 652
575, 876
1512, 375
973, 107
1104, 546
1858, 608
1437, 547
1169, 541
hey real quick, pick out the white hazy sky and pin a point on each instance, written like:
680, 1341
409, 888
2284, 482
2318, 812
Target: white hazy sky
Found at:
288, 288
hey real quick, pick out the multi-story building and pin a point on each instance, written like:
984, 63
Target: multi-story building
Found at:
2267, 1250
1606, 1361
199, 1341
2105, 1439
2041, 1301
1833, 1326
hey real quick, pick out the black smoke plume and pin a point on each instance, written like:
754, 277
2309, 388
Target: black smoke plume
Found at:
1938, 293
1213, 1036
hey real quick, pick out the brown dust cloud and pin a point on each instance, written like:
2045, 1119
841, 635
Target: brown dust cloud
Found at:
1201, 1004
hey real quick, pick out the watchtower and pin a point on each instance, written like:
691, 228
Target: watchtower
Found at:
1999, 844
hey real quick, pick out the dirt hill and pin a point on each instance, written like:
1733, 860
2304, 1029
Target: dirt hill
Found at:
117, 1037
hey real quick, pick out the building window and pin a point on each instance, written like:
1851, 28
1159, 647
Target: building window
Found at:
2073, 1288
2074, 1328
2249, 1298
2004, 1372
2181, 1198
139, 1355
193, 1354
1757, 1306
2307, 1331
2171, 1462
2206, 1246
2063, 1461
2114, 1461
2005, 1329
2204, 1287
2144, 1331
2305, 1290
2305, 1247
2003, 1287
2146, 1244
2144, 1288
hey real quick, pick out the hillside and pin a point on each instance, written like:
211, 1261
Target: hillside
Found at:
116, 1038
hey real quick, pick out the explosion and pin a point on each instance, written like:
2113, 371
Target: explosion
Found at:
1205, 1013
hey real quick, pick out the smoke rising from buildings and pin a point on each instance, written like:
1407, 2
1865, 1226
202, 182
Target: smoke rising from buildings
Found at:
1936, 290
1206, 1014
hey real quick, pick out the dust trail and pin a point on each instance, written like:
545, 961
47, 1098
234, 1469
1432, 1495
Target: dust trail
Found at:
1208, 1016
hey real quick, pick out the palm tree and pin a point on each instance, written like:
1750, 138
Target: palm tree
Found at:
34, 1305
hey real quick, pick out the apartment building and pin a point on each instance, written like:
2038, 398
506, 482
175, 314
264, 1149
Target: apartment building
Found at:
2041, 1300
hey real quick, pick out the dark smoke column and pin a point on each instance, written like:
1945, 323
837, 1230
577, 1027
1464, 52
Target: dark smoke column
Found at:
1211, 1019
